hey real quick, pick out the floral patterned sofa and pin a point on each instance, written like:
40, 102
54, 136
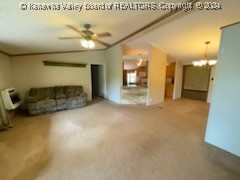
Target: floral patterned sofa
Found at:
51, 99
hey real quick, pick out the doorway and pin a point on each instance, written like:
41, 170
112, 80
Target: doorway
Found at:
98, 81
195, 83
169, 83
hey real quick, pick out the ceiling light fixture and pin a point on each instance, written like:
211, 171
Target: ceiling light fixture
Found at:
140, 62
205, 62
89, 44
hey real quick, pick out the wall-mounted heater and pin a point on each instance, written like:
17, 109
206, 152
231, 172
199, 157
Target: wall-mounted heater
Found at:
11, 98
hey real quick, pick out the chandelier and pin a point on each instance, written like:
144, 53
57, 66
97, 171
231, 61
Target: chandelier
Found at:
140, 62
205, 62
89, 44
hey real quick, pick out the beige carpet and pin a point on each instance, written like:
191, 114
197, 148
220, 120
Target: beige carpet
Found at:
109, 141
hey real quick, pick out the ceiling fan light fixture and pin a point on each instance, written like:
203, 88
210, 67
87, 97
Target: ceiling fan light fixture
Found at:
84, 43
88, 37
91, 44
87, 43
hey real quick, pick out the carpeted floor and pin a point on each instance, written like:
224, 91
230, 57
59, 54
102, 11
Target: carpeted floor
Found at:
115, 142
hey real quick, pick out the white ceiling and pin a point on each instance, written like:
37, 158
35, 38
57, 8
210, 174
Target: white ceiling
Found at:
133, 64
38, 31
182, 36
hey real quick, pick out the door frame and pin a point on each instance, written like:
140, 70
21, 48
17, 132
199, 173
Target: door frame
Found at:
104, 79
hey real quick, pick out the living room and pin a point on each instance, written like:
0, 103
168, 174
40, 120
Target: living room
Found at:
109, 139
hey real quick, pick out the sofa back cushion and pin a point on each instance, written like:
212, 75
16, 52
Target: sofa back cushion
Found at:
42, 93
59, 92
72, 91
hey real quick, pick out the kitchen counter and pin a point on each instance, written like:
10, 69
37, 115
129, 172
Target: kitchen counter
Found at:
134, 94
134, 86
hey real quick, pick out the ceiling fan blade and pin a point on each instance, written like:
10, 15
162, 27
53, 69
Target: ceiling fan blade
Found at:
105, 34
76, 30
69, 37
102, 43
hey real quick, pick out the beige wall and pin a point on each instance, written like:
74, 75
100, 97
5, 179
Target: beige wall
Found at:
210, 87
114, 73
196, 78
157, 74
29, 71
223, 127
5, 80
128, 51
177, 90
5, 72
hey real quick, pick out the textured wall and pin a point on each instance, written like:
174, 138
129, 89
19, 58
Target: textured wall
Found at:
29, 71
5, 82
223, 128
114, 73
157, 75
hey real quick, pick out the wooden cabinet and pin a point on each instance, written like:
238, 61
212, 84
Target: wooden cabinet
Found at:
169, 90
170, 72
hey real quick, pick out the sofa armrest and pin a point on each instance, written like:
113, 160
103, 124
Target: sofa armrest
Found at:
32, 99
83, 95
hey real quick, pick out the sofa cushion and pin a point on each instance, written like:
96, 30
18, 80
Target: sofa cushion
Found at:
50, 99
61, 107
42, 93
59, 92
31, 99
44, 104
61, 101
75, 102
73, 91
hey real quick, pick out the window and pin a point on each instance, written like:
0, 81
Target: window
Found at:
132, 77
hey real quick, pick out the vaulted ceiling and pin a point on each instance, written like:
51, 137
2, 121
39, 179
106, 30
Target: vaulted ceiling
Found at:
29, 31
182, 36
